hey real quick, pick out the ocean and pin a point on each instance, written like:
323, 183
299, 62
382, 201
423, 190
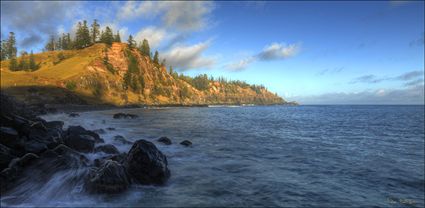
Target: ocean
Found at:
290, 156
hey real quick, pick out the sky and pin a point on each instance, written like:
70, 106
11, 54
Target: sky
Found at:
311, 52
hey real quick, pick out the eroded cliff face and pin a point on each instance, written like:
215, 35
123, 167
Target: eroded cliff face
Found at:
120, 75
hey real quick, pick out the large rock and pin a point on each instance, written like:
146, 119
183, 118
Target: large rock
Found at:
82, 143
124, 115
78, 130
146, 164
110, 178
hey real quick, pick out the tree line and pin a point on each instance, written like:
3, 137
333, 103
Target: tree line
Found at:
8, 50
85, 36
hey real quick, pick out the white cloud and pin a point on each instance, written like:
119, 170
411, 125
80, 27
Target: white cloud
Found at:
241, 64
134, 9
182, 15
187, 15
189, 57
276, 51
154, 35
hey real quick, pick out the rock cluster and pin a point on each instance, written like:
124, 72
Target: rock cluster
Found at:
124, 115
28, 141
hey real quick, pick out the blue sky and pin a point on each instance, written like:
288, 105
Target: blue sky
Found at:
312, 52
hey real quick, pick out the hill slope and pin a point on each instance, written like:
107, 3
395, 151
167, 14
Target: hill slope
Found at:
119, 76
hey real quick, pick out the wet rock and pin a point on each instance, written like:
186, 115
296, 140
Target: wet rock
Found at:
78, 130
164, 140
67, 158
146, 164
120, 139
107, 148
118, 157
73, 115
34, 146
54, 124
9, 137
6, 156
82, 143
119, 115
24, 161
110, 129
124, 115
109, 178
63, 149
186, 143
39, 125
99, 131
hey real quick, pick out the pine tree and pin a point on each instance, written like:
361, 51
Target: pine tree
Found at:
156, 58
117, 37
11, 49
171, 70
145, 49
107, 36
59, 44
131, 42
50, 46
69, 42
2, 50
163, 62
13, 66
32, 65
86, 34
79, 36
23, 64
95, 31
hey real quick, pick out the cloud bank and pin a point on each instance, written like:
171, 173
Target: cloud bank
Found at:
274, 51
189, 57
411, 95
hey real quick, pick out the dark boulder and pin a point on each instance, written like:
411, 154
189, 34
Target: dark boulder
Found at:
54, 124
78, 130
34, 146
119, 115
186, 143
109, 178
124, 115
82, 143
107, 148
73, 115
146, 164
120, 139
164, 140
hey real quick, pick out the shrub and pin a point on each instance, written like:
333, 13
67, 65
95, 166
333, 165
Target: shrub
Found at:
71, 85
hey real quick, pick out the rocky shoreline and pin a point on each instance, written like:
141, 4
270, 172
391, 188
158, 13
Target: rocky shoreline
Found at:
28, 142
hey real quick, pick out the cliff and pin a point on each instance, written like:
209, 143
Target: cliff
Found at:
119, 75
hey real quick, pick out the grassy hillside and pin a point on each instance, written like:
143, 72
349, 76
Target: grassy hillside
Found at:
118, 75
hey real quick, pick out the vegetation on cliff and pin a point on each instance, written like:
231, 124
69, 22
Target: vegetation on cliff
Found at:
96, 67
